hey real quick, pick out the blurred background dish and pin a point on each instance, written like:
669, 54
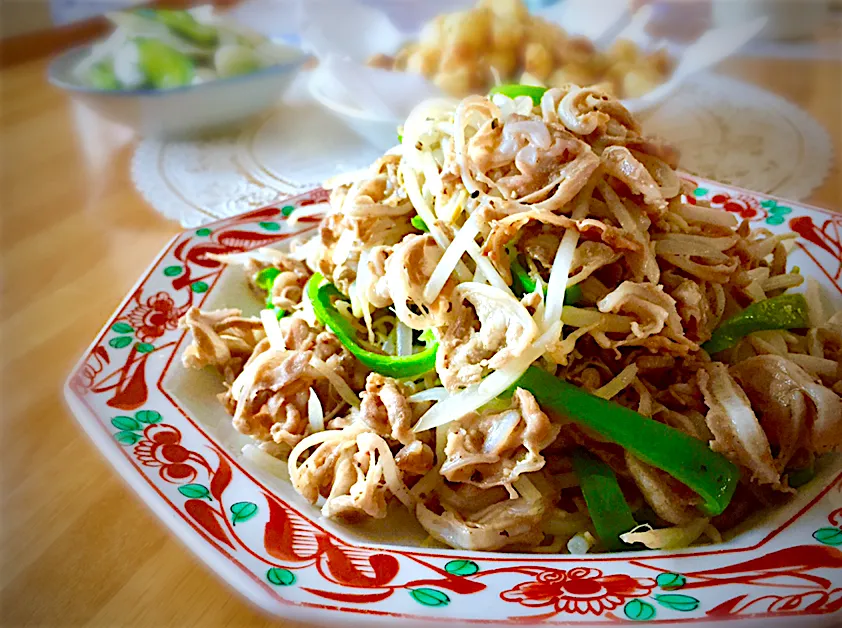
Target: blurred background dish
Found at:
500, 41
466, 52
173, 72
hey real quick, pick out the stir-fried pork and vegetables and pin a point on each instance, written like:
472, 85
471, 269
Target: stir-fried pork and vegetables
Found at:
515, 327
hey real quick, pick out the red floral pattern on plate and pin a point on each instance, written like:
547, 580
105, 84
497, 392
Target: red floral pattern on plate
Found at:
153, 318
581, 590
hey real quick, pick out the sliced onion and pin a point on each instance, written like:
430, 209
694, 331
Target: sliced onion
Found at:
708, 215
431, 394
273, 329
265, 255
782, 282
315, 412
586, 317
618, 383
404, 340
815, 306
348, 395
560, 271
456, 406
449, 261
268, 463
666, 538
815, 366
314, 440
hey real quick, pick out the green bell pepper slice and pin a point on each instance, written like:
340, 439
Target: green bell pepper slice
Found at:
392, 366
266, 277
102, 76
690, 461
787, 311
183, 24
514, 90
523, 283
163, 65
607, 506
419, 223
799, 477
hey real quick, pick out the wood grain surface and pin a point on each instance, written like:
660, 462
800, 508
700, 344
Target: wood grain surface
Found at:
78, 547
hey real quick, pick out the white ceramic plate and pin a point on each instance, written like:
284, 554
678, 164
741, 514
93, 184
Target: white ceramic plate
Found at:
167, 436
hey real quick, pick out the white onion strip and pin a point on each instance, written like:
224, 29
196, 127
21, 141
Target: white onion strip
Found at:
273, 330
560, 272
485, 266
337, 382
618, 383
403, 336
315, 412
263, 254
815, 307
451, 258
436, 393
265, 461
456, 406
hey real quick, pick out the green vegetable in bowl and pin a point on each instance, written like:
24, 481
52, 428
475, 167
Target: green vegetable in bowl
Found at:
163, 48
235, 60
102, 76
183, 24
163, 65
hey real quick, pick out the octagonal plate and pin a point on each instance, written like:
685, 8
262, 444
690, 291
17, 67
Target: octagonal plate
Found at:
164, 432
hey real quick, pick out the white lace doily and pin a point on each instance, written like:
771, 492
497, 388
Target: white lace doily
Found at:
727, 130
288, 151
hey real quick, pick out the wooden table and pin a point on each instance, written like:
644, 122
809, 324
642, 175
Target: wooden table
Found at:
78, 548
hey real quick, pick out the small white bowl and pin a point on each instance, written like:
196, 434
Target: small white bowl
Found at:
380, 131
184, 110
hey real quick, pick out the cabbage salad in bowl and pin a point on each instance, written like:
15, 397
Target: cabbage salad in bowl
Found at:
163, 49
515, 326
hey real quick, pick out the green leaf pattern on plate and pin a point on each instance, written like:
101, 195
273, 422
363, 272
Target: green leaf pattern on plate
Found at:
128, 438
677, 601
638, 610
125, 423
430, 597
671, 580
461, 567
828, 536
242, 511
280, 577
195, 491
148, 416
120, 342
